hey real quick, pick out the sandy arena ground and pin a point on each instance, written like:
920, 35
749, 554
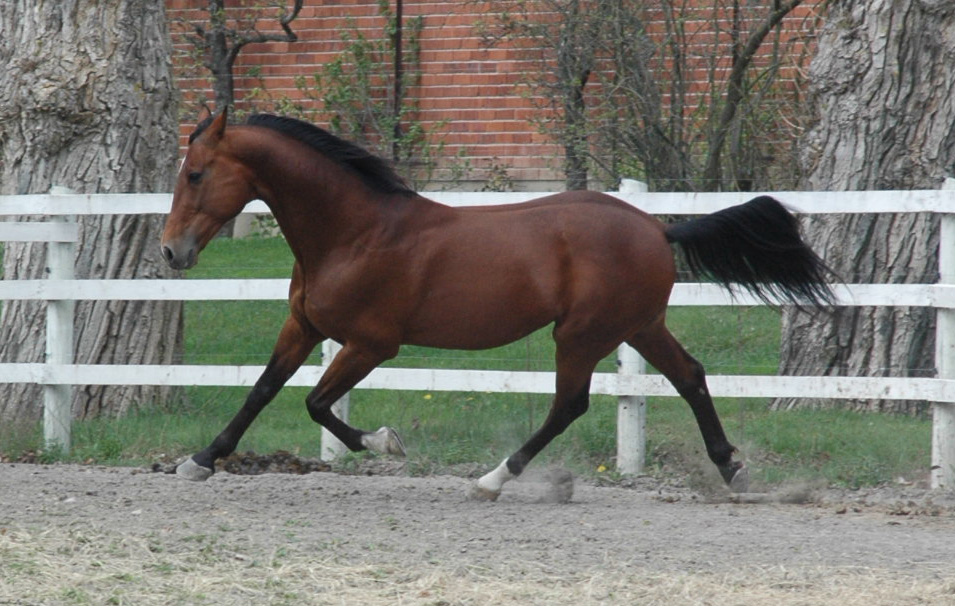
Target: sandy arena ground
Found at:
94, 535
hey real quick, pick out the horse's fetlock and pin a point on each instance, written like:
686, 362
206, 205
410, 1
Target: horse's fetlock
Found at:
722, 457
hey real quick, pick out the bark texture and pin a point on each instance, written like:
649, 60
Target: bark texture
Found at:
87, 102
883, 90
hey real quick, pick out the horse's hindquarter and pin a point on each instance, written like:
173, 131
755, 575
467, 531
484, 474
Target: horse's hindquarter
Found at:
488, 276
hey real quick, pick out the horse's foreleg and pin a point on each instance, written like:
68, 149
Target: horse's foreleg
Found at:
571, 400
294, 344
351, 365
662, 350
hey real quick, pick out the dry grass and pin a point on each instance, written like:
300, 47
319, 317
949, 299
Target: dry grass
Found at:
77, 566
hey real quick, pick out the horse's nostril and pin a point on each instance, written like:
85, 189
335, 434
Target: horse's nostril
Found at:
167, 254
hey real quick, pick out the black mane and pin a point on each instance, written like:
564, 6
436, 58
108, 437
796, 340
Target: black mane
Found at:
374, 171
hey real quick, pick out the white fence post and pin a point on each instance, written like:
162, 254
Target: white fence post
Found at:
58, 399
943, 413
631, 410
631, 416
332, 447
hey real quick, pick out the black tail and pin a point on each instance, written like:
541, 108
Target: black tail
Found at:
756, 245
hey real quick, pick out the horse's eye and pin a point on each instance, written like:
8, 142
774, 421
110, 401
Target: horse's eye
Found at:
195, 178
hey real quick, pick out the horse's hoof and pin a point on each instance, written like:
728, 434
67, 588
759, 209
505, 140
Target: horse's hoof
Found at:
739, 483
736, 476
385, 441
478, 493
193, 471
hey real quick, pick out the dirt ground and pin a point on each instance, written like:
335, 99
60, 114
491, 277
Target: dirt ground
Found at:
94, 535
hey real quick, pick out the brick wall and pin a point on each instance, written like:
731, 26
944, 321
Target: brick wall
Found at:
473, 92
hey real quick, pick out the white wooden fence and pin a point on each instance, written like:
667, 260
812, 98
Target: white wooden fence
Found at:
58, 374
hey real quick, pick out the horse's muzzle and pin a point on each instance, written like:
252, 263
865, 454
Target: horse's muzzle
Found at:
183, 258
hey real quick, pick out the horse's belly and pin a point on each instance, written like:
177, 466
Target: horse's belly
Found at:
468, 321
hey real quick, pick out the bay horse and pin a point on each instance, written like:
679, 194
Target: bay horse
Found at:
378, 266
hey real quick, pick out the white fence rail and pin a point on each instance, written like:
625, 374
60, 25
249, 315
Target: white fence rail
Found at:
58, 374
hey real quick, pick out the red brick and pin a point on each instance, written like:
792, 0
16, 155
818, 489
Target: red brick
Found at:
473, 90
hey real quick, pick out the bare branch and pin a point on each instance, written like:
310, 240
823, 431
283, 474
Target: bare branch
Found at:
289, 17
734, 87
257, 37
221, 38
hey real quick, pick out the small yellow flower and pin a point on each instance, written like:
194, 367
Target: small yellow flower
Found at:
601, 468
427, 396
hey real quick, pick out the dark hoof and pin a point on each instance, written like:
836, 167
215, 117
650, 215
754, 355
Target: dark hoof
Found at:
736, 476
477, 493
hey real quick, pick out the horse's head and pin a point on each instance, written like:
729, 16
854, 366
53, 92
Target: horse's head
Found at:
213, 186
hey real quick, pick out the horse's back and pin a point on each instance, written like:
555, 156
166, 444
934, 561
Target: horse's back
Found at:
581, 227
588, 201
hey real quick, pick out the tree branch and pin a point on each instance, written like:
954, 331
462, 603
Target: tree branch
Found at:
734, 92
257, 37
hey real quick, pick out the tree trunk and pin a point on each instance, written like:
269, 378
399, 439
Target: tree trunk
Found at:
220, 60
87, 102
575, 59
882, 90
575, 141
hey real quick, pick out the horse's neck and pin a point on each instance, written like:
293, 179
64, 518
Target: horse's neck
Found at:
323, 205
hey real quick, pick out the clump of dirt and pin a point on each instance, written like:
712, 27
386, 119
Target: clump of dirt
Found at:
252, 464
28, 457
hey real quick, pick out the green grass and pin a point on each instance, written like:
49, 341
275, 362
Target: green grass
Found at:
444, 429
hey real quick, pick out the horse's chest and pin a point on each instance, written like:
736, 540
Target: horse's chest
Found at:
331, 305
339, 304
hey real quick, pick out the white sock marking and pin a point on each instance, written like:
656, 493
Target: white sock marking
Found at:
494, 480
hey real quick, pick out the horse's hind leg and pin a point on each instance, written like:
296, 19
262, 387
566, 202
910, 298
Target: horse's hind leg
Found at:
350, 366
662, 350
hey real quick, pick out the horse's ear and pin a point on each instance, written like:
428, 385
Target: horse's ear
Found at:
217, 128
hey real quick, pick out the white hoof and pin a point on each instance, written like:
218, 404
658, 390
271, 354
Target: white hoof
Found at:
488, 487
385, 441
191, 470
740, 481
